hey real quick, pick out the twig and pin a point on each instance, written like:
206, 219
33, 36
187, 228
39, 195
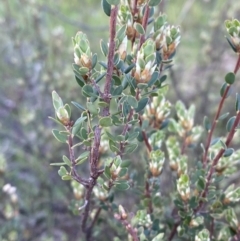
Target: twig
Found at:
144, 24
89, 229
128, 227
212, 228
217, 158
148, 195
210, 133
173, 231
94, 156
74, 173
110, 65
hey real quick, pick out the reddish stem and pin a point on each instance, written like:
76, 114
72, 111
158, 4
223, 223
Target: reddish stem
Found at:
210, 133
110, 65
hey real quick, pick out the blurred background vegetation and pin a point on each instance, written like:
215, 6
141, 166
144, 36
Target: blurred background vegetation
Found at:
36, 56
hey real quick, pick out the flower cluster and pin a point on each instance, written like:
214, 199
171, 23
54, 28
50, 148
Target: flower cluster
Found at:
78, 190
183, 187
157, 111
184, 126
62, 111
231, 195
166, 37
157, 159
100, 193
145, 64
233, 28
203, 235
82, 54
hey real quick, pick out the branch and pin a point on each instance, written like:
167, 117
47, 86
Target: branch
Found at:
128, 227
209, 138
110, 65
217, 158
144, 24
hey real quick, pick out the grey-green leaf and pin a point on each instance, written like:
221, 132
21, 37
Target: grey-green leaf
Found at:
107, 172
113, 2
153, 3
106, 7
67, 161
122, 186
230, 78
60, 137
132, 101
104, 48
230, 123
237, 105
105, 121
139, 28
142, 104
206, 123
62, 171
228, 152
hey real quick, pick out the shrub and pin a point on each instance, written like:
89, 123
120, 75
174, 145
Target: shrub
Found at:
133, 162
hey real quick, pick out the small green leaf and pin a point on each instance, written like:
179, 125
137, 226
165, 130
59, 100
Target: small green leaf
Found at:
94, 60
230, 78
107, 172
67, 161
163, 78
223, 116
92, 108
159, 237
123, 172
125, 163
132, 101
78, 106
100, 77
55, 120
201, 183
77, 125
60, 137
132, 136
153, 79
215, 141
223, 144
232, 45
87, 91
68, 109
66, 177
82, 160
131, 148
206, 123
57, 164
228, 152
106, 7
83, 70
104, 48
142, 104
83, 155
118, 91
223, 89
84, 133
122, 186
57, 101
113, 2
113, 146
139, 28
237, 105
129, 68
230, 123
153, 3
105, 121
62, 171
